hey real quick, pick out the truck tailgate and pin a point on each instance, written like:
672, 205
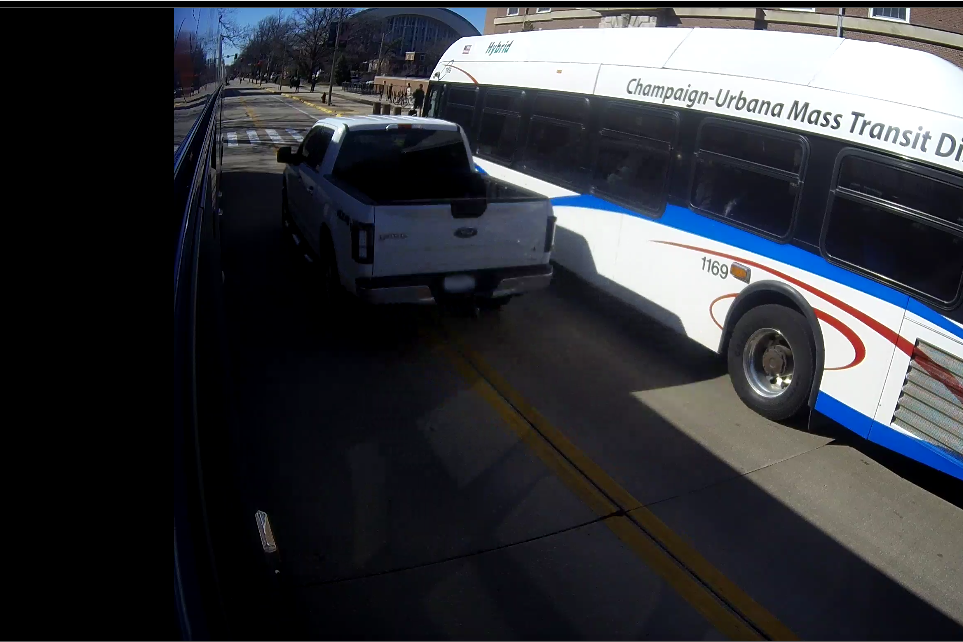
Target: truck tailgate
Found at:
427, 238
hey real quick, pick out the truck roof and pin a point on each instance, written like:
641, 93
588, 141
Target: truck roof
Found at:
355, 123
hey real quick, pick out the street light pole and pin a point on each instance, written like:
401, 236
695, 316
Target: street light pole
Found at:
334, 61
380, 49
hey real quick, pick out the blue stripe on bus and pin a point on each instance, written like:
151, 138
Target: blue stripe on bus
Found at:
479, 169
886, 437
843, 414
686, 220
935, 318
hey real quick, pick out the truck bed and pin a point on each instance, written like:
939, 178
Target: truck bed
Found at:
429, 188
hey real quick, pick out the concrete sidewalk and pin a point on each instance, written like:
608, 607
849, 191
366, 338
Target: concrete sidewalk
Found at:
345, 103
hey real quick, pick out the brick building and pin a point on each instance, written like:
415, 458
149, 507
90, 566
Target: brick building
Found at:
937, 30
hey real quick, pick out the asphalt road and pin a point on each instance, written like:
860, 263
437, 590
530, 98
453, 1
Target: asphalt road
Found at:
433, 475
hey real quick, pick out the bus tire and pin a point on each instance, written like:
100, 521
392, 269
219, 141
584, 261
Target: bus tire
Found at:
771, 361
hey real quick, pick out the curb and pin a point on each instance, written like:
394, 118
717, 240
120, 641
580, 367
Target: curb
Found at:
331, 112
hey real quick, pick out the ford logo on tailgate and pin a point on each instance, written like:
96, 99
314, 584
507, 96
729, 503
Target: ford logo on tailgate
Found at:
465, 232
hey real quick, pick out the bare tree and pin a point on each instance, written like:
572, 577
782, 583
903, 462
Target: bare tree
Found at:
341, 14
311, 29
364, 39
433, 54
271, 46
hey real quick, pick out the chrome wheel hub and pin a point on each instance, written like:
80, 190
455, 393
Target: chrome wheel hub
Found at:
768, 363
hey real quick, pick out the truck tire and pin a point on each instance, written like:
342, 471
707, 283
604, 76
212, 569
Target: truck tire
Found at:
771, 362
287, 223
496, 303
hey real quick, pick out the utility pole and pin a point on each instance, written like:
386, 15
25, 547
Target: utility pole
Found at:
380, 49
334, 61
839, 22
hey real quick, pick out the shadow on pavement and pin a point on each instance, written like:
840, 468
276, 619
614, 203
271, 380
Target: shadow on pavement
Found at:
938, 483
340, 434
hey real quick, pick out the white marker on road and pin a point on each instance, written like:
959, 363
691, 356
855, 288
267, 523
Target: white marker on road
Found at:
274, 136
232, 139
295, 134
252, 136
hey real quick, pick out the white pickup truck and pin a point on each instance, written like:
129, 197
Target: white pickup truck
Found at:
392, 209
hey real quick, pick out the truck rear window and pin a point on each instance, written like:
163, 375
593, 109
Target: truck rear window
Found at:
401, 152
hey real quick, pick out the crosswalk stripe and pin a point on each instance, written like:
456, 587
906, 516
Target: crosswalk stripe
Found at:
273, 134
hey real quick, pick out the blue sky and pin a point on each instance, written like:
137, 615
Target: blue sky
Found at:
200, 19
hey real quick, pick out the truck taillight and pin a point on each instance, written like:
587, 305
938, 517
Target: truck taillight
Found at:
550, 234
362, 242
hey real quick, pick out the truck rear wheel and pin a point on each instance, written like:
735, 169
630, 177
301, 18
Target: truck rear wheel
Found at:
328, 267
493, 303
288, 229
771, 361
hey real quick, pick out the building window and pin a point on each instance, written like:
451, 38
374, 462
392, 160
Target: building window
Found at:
512, 11
542, 9
900, 14
809, 9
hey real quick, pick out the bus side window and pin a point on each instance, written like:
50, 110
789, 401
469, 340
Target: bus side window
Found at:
498, 130
555, 144
898, 224
432, 107
747, 176
460, 107
634, 155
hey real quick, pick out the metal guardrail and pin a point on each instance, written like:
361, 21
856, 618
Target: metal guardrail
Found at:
196, 166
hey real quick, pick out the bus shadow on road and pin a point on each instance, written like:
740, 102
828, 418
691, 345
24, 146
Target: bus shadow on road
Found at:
336, 404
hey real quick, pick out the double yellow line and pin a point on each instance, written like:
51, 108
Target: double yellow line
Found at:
330, 112
724, 605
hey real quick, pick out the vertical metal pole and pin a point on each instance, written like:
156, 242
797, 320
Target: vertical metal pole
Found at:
839, 22
334, 61
380, 49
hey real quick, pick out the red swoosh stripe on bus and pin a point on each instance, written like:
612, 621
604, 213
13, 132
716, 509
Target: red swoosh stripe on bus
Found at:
464, 72
847, 332
724, 296
890, 335
939, 373
859, 348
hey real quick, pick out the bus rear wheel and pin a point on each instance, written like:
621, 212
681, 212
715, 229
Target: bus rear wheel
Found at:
771, 362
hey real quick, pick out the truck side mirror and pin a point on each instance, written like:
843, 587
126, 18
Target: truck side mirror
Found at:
286, 156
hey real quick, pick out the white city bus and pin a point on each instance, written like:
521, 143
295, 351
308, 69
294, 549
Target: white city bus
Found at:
792, 201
